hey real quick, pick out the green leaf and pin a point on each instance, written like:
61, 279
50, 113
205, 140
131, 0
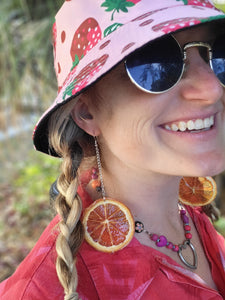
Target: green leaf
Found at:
185, 1
109, 9
110, 6
111, 28
129, 4
76, 61
124, 9
117, 6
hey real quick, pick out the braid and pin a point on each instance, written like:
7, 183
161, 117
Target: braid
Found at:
69, 207
63, 136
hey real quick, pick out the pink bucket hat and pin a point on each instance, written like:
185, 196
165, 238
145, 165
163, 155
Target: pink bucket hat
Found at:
90, 37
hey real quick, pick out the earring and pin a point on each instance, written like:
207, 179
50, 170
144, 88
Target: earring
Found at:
99, 164
197, 191
95, 182
108, 223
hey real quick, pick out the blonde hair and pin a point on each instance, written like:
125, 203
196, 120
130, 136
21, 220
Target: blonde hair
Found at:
64, 135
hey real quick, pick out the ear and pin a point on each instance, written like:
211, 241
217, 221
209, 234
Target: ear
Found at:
83, 118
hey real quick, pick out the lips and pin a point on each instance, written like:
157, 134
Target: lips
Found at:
191, 125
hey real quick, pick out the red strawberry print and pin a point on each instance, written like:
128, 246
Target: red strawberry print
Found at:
175, 24
128, 46
204, 3
146, 15
67, 81
85, 75
85, 38
134, 1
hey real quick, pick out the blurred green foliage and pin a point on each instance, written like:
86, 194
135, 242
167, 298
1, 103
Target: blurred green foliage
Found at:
220, 225
25, 208
27, 80
35, 176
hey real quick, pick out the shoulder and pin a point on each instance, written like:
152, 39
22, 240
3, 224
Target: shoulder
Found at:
32, 277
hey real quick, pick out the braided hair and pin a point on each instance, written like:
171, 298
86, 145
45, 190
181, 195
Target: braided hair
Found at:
64, 135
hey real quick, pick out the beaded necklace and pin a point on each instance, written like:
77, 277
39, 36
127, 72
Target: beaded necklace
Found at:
161, 241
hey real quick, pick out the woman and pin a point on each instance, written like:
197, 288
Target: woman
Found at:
131, 135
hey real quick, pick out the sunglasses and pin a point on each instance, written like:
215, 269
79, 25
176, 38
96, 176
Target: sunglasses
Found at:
159, 65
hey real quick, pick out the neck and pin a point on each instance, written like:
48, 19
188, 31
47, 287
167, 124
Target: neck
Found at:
149, 196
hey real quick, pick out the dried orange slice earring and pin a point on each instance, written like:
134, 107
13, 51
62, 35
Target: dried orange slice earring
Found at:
109, 225
197, 191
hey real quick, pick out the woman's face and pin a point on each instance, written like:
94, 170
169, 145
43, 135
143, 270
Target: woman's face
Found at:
134, 125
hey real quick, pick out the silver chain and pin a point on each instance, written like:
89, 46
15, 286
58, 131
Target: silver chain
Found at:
100, 168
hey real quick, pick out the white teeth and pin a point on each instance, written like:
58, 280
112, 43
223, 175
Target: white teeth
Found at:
182, 126
191, 125
199, 124
174, 127
211, 120
207, 122
167, 127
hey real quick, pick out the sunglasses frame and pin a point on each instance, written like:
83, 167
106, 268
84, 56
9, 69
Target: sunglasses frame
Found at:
183, 51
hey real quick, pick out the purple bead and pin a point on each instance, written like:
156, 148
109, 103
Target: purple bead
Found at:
183, 212
162, 241
154, 237
185, 219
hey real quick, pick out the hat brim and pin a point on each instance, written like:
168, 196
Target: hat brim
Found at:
114, 48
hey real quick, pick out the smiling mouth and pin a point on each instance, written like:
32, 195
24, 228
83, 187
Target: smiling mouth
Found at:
191, 125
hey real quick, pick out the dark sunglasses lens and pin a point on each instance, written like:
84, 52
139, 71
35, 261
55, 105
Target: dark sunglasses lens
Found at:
218, 58
157, 66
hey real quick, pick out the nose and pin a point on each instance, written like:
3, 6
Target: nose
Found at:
199, 81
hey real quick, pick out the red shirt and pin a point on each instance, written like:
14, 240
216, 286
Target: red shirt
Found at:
135, 272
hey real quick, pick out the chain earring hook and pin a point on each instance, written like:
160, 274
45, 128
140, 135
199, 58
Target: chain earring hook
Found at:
99, 167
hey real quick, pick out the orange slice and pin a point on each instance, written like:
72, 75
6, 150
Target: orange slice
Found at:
109, 225
197, 191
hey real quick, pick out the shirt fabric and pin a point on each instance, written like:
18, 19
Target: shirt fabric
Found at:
133, 273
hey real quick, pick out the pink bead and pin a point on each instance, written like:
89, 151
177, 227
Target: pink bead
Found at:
187, 227
154, 237
175, 248
188, 236
169, 246
94, 176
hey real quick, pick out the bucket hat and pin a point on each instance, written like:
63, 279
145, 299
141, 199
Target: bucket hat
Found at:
90, 37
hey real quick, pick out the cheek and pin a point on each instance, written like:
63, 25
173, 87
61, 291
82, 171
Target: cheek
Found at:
130, 140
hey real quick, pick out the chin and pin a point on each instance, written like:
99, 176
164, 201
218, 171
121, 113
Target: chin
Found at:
208, 168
